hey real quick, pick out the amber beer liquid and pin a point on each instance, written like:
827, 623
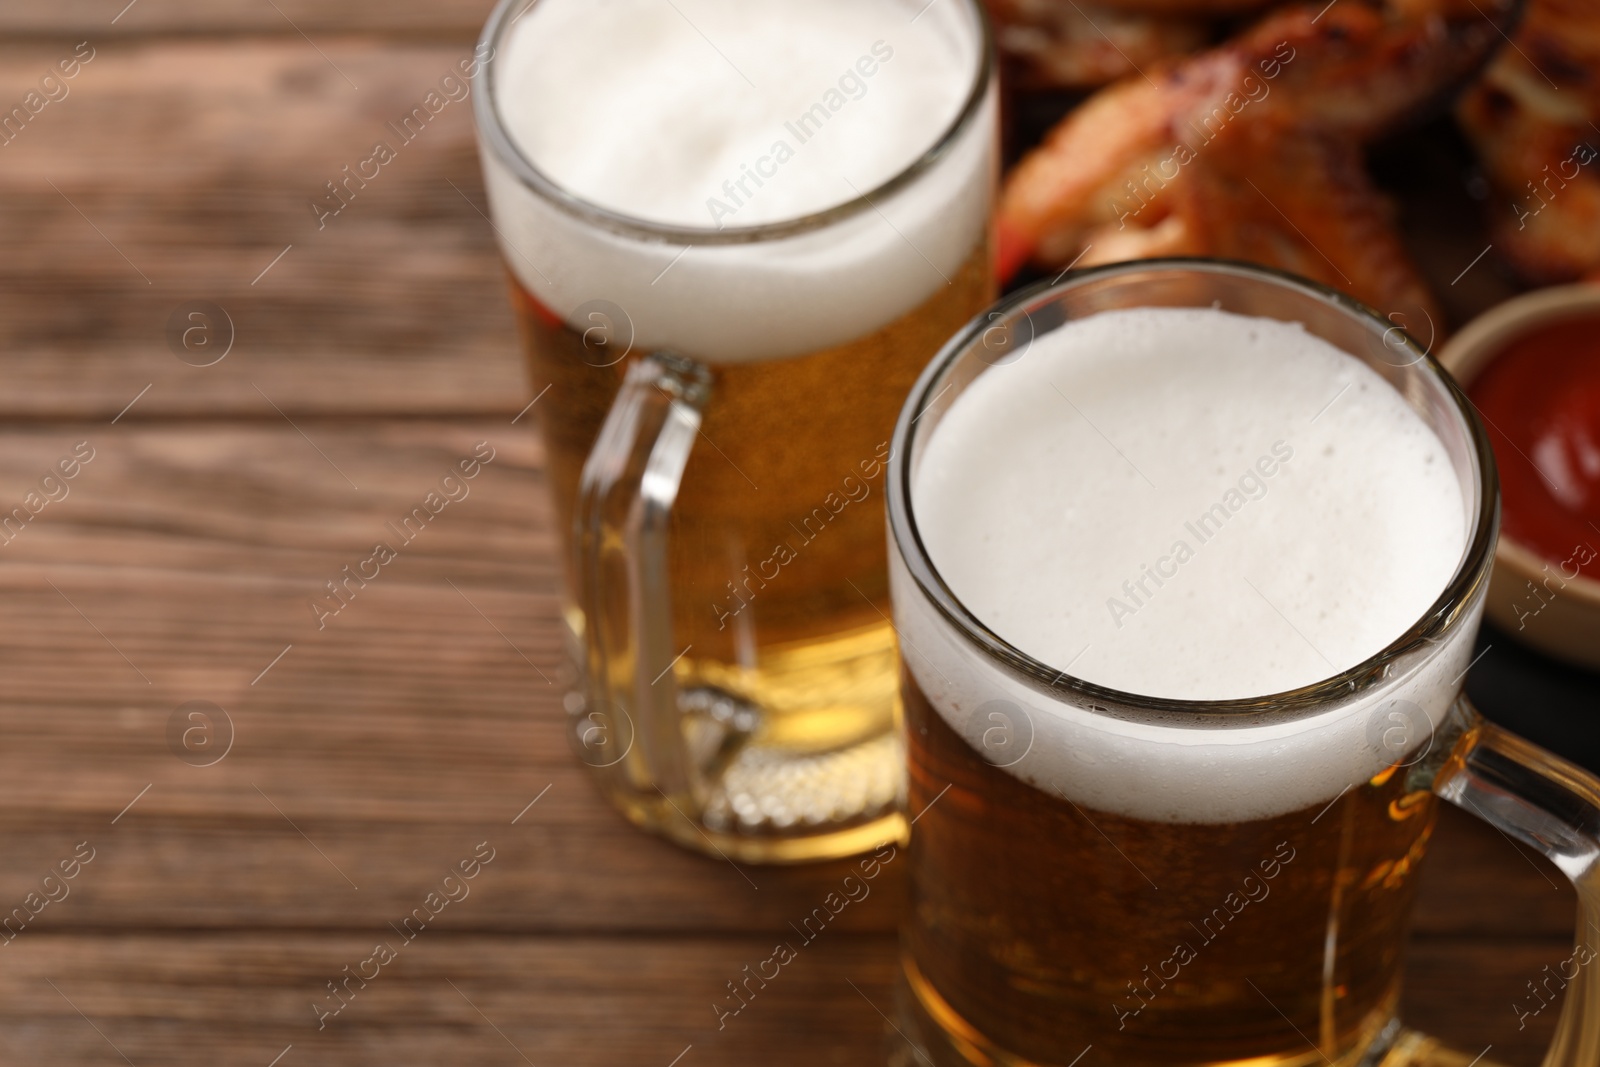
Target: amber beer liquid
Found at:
1182, 511
777, 547
793, 198
1085, 949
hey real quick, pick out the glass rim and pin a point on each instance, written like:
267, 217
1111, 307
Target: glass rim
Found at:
486, 112
1441, 617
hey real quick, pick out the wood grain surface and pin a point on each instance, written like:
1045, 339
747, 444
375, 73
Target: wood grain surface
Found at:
365, 757
391, 19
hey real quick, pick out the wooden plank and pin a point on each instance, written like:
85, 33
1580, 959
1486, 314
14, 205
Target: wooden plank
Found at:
1478, 884
443, 999
177, 172
409, 729
450, 998
1465, 993
110, 18
280, 502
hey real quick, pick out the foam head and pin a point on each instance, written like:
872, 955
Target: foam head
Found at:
1186, 504
738, 113
712, 88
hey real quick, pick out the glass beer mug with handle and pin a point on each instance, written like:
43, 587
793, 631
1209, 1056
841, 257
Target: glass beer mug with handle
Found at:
1102, 877
736, 230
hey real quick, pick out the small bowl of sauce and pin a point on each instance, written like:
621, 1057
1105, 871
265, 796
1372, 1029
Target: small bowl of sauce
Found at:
1531, 366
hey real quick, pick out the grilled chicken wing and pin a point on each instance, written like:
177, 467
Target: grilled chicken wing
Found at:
1251, 150
1533, 119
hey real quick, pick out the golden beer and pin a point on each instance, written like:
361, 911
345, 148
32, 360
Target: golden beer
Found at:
1043, 927
777, 545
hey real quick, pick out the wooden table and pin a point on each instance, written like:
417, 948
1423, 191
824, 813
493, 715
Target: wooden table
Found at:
371, 755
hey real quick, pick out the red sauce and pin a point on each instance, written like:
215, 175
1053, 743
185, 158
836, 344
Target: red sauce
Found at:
1540, 399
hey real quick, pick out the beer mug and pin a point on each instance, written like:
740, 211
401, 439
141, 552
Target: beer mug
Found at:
716, 401
1098, 877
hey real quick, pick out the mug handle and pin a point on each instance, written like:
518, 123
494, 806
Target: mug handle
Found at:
629, 484
1541, 800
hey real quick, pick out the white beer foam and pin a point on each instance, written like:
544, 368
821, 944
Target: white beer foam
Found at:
1054, 480
643, 107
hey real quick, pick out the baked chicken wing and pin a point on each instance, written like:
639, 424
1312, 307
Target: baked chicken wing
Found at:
1253, 150
1533, 120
